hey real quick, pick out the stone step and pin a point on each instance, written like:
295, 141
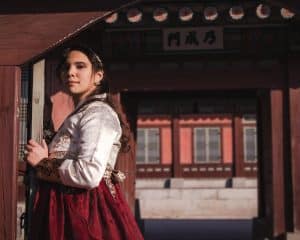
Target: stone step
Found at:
206, 194
196, 183
218, 203
197, 209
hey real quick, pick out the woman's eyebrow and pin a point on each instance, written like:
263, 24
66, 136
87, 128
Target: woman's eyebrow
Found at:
80, 62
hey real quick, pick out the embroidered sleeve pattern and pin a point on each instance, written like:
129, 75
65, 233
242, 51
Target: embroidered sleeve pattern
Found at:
47, 169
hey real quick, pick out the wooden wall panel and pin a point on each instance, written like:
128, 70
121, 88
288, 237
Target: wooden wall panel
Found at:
10, 79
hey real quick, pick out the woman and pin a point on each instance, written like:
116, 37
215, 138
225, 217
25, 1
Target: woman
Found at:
78, 196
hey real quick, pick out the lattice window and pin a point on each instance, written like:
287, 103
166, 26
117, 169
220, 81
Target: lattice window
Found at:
23, 107
207, 144
250, 144
148, 146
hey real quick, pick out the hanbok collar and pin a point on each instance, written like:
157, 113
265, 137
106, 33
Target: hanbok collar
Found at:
91, 98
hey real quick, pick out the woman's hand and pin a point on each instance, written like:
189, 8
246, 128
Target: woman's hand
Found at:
36, 152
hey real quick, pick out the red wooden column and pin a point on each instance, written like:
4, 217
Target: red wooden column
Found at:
126, 159
294, 100
237, 147
10, 79
271, 220
176, 168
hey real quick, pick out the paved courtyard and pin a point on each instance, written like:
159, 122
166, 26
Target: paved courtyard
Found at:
198, 229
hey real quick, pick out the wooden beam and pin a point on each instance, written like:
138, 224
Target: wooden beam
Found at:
277, 165
237, 146
271, 163
38, 96
228, 79
10, 79
126, 159
294, 100
176, 147
37, 118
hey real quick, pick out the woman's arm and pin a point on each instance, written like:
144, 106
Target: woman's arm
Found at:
98, 130
47, 169
37, 157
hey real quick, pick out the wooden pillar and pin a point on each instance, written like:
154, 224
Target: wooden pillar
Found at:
176, 170
271, 176
237, 147
294, 101
10, 79
126, 160
277, 163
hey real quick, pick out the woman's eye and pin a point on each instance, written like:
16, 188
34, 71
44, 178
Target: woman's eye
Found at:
79, 66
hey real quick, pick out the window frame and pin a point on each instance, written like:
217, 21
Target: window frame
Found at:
159, 145
207, 128
244, 128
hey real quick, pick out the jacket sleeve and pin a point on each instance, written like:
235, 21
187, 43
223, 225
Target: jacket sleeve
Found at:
98, 130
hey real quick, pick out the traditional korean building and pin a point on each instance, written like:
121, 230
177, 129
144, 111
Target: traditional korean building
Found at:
211, 90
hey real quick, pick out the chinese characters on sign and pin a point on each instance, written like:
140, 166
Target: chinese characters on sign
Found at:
193, 38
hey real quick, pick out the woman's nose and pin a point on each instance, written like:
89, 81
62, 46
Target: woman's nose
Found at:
71, 71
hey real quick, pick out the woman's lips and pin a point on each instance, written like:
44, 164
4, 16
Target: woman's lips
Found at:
72, 82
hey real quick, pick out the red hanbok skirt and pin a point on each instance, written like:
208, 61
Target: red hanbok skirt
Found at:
82, 214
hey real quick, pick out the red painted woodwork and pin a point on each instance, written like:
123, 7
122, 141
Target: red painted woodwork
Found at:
186, 145
271, 165
126, 160
227, 147
166, 145
186, 153
164, 124
277, 162
238, 146
210, 170
39, 33
9, 125
188, 122
176, 147
294, 100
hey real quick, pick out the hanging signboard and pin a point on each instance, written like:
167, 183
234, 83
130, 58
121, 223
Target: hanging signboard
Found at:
200, 38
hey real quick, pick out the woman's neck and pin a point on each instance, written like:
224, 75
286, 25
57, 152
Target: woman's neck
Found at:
80, 98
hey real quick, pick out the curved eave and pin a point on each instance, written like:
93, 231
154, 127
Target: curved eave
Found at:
25, 37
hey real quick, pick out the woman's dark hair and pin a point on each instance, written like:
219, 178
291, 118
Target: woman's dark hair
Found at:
97, 65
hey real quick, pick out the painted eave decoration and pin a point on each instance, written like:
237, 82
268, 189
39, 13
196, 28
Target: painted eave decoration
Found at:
208, 13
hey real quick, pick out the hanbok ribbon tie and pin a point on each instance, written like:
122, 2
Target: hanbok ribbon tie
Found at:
112, 176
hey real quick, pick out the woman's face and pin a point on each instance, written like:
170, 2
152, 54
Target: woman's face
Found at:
80, 78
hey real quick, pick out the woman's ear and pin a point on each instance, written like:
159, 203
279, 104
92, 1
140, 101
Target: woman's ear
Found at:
98, 77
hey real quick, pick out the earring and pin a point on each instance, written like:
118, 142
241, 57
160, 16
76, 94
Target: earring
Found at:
97, 83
